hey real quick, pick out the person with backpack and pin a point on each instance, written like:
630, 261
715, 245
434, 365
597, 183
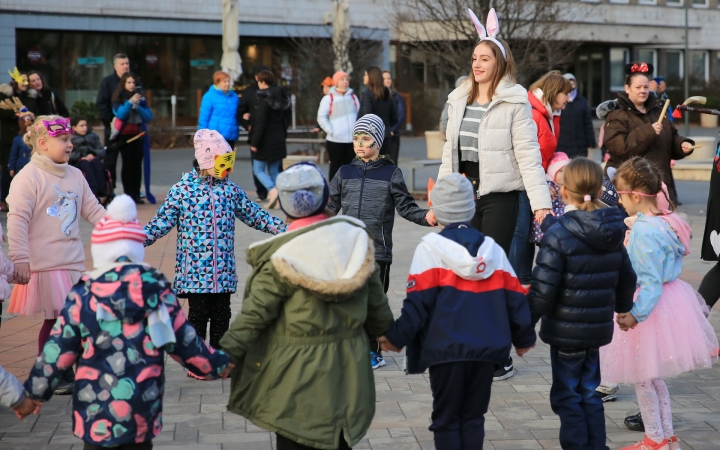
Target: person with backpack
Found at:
336, 116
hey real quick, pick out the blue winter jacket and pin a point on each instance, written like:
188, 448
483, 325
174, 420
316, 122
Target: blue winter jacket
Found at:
120, 378
122, 110
19, 154
218, 111
400, 107
582, 277
204, 210
463, 302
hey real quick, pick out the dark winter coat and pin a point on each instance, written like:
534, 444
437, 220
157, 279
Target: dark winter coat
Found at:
583, 275
19, 154
9, 127
372, 192
576, 128
49, 103
270, 120
104, 97
400, 108
628, 133
86, 145
463, 302
383, 108
248, 101
120, 377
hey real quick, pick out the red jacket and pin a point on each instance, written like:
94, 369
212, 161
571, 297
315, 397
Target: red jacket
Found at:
546, 138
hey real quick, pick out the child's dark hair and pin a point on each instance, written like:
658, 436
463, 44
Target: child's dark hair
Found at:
74, 120
639, 174
583, 180
196, 164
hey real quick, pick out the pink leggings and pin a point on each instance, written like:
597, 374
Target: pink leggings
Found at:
44, 335
654, 401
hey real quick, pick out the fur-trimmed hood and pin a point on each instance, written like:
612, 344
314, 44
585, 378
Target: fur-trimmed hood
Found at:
333, 258
6, 89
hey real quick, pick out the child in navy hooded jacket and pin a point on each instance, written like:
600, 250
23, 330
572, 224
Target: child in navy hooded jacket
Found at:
464, 309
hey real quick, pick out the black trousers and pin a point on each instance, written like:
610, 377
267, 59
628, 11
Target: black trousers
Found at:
394, 150
213, 308
94, 172
710, 286
496, 215
461, 395
284, 443
132, 159
385, 148
340, 155
142, 446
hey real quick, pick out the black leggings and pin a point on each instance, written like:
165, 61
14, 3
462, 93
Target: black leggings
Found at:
213, 308
496, 215
141, 446
710, 286
340, 155
284, 443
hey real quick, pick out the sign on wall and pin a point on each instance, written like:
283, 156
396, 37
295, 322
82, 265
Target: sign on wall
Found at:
91, 61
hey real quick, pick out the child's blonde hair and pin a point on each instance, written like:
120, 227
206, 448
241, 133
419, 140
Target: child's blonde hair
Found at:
37, 130
583, 180
639, 174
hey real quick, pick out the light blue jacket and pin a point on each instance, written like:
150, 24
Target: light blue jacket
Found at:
12, 392
656, 255
218, 111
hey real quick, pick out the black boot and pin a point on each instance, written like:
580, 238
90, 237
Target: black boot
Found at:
635, 423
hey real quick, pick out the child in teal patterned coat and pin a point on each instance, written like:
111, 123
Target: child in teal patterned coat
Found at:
117, 324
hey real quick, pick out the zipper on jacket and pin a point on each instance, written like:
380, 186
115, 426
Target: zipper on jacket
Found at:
490, 106
382, 231
212, 203
362, 186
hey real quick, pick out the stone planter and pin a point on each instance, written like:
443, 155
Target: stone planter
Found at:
294, 159
435, 141
708, 120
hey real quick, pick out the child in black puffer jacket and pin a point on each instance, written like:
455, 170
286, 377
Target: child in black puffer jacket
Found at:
582, 277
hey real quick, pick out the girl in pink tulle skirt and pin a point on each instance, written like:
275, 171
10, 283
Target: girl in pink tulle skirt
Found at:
666, 332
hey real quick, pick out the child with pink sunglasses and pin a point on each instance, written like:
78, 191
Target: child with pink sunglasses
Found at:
46, 200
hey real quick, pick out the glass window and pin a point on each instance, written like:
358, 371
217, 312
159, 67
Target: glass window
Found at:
648, 55
700, 3
674, 66
699, 67
648, 2
675, 2
618, 58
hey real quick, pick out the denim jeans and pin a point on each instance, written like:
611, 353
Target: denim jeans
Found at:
522, 251
576, 374
266, 178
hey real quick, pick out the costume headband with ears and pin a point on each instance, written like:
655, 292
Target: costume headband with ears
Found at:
642, 67
18, 77
493, 28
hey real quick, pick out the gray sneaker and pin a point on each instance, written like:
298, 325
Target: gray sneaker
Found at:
64, 388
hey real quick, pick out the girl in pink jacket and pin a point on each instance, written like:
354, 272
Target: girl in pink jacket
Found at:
46, 200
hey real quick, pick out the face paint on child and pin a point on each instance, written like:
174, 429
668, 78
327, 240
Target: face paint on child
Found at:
365, 146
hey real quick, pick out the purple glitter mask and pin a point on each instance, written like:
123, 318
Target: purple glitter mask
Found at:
57, 127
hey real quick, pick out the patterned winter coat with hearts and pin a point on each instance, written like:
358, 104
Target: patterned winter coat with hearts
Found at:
204, 210
119, 382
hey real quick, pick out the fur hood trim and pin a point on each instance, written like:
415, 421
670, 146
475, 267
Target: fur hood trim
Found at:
6, 89
606, 107
333, 260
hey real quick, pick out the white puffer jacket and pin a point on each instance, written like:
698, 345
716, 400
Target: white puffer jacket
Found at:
509, 152
337, 115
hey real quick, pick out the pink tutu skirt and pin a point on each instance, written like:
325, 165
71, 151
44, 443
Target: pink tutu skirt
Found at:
676, 338
44, 296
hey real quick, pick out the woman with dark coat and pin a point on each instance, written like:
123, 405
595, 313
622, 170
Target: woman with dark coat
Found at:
376, 99
48, 102
577, 132
270, 122
632, 129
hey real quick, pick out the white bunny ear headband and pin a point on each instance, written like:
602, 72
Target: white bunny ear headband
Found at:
493, 27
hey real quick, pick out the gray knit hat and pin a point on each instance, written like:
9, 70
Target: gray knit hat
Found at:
302, 190
452, 199
372, 125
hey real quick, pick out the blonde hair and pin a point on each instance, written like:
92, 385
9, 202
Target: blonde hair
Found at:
37, 130
552, 84
583, 181
639, 174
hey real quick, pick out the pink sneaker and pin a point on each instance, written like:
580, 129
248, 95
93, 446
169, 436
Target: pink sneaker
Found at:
648, 444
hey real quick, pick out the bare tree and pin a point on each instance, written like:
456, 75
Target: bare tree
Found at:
441, 29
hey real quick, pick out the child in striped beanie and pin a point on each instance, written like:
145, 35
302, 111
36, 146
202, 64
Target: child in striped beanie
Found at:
122, 318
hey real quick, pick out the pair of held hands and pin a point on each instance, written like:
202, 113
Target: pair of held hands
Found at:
388, 347
626, 321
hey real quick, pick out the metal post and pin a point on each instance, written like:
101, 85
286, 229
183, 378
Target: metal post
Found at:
687, 63
293, 100
173, 102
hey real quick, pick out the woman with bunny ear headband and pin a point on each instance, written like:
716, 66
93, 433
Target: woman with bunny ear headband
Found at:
492, 140
633, 128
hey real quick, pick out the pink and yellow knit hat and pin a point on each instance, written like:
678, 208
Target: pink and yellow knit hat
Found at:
118, 234
208, 144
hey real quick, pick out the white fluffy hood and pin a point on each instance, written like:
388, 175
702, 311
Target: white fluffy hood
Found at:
453, 256
336, 258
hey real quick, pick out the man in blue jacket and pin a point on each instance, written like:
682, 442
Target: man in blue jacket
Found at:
464, 309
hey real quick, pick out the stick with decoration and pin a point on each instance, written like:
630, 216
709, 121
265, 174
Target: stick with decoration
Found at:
696, 99
664, 111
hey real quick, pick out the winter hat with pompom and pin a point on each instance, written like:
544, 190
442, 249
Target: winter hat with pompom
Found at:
558, 162
302, 190
118, 234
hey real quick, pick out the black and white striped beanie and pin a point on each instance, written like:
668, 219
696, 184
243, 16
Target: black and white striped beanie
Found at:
372, 125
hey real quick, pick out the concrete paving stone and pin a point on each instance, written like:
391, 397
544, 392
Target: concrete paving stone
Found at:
45, 427
400, 443
252, 446
187, 446
215, 399
232, 436
430, 445
531, 424
423, 434
401, 432
182, 434
252, 428
516, 445
700, 445
205, 408
377, 433
507, 435
57, 447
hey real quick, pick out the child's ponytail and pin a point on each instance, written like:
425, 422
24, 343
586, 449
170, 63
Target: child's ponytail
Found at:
583, 181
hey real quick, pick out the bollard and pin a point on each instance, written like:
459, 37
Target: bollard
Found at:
173, 102
293, 100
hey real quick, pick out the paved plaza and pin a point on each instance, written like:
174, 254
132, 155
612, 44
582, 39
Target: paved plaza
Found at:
520, 417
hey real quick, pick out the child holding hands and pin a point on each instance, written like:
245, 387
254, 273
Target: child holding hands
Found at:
583, 275
464, 309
